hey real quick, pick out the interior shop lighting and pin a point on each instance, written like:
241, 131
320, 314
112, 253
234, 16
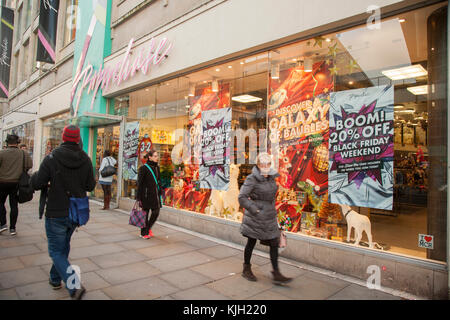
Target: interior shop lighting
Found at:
215, 86
191, 90
401, 20
275, 72
407, 111
418, 90
406, 72
398, 107
246, 98
308, 65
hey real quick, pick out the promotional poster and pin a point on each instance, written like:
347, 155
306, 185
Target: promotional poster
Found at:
6, 32
214, 169
361, 147
48, 26
298, 123
130, 151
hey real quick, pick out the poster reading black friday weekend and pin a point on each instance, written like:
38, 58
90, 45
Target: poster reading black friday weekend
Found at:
214, 172
361, 147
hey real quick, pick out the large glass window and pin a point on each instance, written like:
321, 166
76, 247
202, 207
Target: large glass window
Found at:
71, 21
356, 122
26, 134
52, 129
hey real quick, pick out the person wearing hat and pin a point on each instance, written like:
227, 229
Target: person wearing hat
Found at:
11, 167
68, 169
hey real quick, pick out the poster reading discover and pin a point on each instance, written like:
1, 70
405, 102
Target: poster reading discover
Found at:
214, 170
361, 147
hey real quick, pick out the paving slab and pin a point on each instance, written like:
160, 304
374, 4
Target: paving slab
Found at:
185, 278
9, 294
16, 278
115, 237
356, 292
127, 273
11, 264
41, 291
180, 261
8, 241
220, 251
237, 288
199, 293
221, 268
92, 251
92, 281
140, 243
118, 259
268, 295
201, 243
145, 289
38, 259
18, 251
170, 249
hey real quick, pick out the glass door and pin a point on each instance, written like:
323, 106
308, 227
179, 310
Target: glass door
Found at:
107, 139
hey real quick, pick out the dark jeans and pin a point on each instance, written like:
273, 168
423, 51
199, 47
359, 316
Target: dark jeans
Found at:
273, 251
149, 222
59, 232
9, 190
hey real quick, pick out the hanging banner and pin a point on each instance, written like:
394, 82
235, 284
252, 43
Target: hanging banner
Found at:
214, 170
48, 25
6, 32
130, 151
361, 147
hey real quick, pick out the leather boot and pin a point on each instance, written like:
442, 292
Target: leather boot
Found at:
105, 202
278, 278
108, 199
247, 273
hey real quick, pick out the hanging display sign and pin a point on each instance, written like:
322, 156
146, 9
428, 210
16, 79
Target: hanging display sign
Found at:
361, 147
130, 151
48, 25
6, 32
214, 169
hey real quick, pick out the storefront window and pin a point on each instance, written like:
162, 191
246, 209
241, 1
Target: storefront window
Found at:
52, 133
26, 134
356, 123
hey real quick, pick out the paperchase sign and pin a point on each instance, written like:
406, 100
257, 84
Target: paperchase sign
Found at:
426, 241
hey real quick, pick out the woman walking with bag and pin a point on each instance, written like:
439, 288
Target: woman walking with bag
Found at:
257, 197
106, 182
149, 191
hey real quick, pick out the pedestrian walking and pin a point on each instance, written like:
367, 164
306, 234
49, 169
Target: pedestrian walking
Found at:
69, 170
12, 163
257, 197
106, 182
149, 191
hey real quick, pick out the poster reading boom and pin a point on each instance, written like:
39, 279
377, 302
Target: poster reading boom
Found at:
361, 147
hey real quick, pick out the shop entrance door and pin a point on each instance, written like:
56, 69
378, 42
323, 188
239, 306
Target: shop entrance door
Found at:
107, 138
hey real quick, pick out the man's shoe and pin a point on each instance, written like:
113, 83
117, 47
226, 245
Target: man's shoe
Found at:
150, 233
55, 285
3, 228
12, 232
78, 294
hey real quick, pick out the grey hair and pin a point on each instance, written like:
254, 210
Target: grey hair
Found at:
263, 158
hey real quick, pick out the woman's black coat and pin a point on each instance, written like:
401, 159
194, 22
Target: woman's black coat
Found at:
147, 189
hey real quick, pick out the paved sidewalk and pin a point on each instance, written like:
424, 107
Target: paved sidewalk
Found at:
116, 264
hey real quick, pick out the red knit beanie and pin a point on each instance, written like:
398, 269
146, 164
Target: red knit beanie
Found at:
71, 133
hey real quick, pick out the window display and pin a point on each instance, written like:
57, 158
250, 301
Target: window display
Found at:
349, 124
25, 132
52, 133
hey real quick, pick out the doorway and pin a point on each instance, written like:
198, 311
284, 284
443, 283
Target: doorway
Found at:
107, 138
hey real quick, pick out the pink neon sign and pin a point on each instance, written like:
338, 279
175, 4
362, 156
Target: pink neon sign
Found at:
92, 80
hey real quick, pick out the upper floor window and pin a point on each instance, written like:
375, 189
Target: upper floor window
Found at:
70, 28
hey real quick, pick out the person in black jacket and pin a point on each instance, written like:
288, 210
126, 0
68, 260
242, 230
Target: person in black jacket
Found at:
149, 191
68, 169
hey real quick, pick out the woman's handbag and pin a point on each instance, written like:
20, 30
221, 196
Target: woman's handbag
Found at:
108, 170
137, 216
283, 240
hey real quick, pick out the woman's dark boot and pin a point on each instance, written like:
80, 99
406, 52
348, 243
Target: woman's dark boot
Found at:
278, 278
247, 273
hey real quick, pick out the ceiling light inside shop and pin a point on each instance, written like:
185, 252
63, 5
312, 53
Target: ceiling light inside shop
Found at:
191, 90
242, 62
308, 65
246, 98
328, 40
188, 106
275, 72
229, 67
408, 72
398, 107
401, 20
217, 69
418, 90
407, 111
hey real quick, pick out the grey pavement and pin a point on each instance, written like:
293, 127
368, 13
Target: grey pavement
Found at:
116, 264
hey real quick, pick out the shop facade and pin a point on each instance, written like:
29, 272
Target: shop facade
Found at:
320, 94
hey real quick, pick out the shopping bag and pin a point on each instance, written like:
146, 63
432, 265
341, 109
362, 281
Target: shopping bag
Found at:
137, 216
283, 240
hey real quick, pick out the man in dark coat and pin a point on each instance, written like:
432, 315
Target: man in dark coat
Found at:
257, 197
149, 191
69, 170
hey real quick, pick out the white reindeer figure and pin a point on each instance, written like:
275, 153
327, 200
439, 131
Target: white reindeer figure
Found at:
359, 222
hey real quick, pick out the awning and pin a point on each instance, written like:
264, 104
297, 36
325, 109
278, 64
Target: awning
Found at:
87, 120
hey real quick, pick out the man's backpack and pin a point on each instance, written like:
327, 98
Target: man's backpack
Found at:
25, 191
78, 207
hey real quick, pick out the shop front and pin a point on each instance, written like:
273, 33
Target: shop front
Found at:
356, 122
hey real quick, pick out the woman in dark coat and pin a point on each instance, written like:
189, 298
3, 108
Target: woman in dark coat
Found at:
149, 191
257, 197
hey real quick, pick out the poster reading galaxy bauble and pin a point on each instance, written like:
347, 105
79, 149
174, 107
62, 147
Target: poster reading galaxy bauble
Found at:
361, 147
